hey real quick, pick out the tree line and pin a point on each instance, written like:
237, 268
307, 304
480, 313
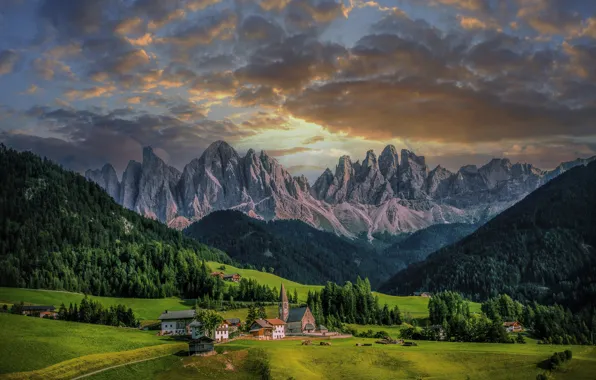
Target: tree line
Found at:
351, 303
91, 311
553, 324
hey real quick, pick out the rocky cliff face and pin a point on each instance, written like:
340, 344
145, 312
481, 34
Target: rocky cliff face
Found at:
389, 193
107, 179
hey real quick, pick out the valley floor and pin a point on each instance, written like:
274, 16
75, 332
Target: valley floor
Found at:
48, 349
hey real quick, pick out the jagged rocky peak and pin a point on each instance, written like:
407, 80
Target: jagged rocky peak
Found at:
371, 160
412, 173
129, 188
469, 169
107, 179
389, 161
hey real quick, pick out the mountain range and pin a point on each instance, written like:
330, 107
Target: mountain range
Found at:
393, 193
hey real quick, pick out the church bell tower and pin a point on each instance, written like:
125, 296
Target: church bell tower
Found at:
284, 305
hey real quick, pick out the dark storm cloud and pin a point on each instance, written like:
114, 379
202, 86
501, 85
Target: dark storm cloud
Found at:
291, 63
257, 96
8, 59
90, 138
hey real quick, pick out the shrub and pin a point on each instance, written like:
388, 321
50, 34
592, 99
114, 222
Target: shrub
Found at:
568, 354
258, 363
520, 339
541, 376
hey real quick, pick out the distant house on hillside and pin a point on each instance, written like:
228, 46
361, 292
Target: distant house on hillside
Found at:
218, 274
176, 322
39, 311
232, 277
422, 294
233, 324
513, 327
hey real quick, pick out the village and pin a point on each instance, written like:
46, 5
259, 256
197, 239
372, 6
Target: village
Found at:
290, 322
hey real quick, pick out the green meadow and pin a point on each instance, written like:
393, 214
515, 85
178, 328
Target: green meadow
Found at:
30, 343
144, 308
343, 360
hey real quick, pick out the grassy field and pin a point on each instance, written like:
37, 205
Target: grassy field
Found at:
57, 349
343, 360
144, 308
268, 279
29, 343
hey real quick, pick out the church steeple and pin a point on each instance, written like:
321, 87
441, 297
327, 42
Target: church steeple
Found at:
284, 305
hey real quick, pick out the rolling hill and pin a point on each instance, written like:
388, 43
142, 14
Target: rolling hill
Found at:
294, 249
61, 231
540, 249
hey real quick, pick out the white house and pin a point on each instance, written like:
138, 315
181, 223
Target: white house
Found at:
278, 328
176, 322
198, 331
221, 333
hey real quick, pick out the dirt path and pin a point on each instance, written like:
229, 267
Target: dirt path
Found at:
117, 366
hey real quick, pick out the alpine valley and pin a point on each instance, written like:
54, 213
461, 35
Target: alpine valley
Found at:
392, 193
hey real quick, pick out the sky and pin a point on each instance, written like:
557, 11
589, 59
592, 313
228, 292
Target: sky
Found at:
459, 81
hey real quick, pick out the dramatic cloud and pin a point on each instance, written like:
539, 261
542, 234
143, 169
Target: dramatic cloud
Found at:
309, 79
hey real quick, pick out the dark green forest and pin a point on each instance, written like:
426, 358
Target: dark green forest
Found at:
60, 231
296, 250
351, 303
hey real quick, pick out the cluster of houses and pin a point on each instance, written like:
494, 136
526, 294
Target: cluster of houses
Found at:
290, 321
236, 277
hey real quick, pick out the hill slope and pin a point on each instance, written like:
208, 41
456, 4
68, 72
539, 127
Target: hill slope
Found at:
422, 243
294, 249
60, 231
541, 249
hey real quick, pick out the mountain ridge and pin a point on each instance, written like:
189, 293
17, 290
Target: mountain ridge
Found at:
390, 193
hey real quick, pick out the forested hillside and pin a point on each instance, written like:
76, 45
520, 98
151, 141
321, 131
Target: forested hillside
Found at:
422, 243
60, 231
294, 249
543, 248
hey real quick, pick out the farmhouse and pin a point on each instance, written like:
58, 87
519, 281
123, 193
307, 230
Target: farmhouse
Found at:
201, 345
232, 277
261, 329
279, 328
298, 320
218, 274
39, 311
176, 322
422, 294
512, 327
222, 332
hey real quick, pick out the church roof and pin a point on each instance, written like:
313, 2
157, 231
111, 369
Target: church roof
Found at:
296, 314
283, 297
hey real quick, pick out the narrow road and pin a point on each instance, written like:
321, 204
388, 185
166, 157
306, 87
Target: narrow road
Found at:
117, 366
